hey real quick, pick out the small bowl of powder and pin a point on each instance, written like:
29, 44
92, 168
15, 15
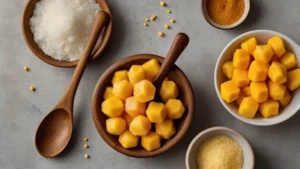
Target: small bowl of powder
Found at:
225, 14
56, 31
219, 147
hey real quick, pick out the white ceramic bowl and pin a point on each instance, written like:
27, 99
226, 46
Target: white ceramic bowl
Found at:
214, 24
191, 154
262, 37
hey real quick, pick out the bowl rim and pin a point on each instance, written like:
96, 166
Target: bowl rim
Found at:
128, 152
217, 67
65, 64
226, 130
225, 27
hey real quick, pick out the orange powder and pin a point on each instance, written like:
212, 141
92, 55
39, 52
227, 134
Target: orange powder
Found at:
225, 12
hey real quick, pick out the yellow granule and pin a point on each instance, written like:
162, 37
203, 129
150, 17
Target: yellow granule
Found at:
219, 152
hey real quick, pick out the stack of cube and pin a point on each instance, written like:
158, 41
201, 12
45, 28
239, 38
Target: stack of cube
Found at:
131, 111
260, 77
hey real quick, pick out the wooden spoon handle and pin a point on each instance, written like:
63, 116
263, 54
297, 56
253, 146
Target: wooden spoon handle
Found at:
180, 42
100, 22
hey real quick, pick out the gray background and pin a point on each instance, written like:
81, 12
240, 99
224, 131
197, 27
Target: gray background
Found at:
275, 147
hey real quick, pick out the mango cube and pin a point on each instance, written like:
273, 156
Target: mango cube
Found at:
241, 59
240, 77
108, 93
263, 52
246, 91
119, 76
140, 126
156, 112
269, 108
134, 108
166, 129
151, 141
277, 73
115, 125
152, 68
175, 109
259, 91
136, 74
240, 99
229, 91
227, 69
286, 99
168, 90
128, 140
144, 91
277, 46
289, 60
293, 81
249, 45
112, 107
248, 107
127, 118
258, 71
122, 89
276, 91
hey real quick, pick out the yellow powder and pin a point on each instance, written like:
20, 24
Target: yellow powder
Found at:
225, 12
219, 152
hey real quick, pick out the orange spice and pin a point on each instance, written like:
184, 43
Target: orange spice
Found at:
225, 12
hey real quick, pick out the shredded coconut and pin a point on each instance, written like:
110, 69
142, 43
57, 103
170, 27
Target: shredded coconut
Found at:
61, 27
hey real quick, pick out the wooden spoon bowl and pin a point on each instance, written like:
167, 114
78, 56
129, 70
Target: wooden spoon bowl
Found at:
185, 95
28, 36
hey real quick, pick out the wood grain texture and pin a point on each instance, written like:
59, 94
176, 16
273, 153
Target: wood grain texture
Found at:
28, 36
54, 132
185, 94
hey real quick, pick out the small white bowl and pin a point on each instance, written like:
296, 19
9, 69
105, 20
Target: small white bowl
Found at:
191, 154
214, 24
262, 37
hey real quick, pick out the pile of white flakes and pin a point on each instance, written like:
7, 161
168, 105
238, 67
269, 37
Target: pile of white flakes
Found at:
61, 27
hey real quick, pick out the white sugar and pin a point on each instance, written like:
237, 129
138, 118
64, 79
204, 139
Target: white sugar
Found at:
61, 27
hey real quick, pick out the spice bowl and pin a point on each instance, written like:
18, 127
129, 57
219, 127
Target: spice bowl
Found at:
191, 154
262, 37
29, 38
185, 95
205, 13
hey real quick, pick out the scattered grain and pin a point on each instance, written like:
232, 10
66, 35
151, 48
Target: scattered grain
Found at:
161, 34
26, 68
32, 88
162, 3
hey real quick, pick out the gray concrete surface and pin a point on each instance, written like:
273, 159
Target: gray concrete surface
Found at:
275, 147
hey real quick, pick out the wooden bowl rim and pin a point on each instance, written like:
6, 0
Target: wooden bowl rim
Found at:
64, 64
128, 152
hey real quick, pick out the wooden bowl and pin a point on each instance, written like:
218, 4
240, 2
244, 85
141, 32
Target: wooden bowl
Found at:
182, 125
27, 14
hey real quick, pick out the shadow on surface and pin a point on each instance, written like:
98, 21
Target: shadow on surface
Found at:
116, 41
260, 161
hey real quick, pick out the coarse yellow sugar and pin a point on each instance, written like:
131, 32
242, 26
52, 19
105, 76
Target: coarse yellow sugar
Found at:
219, 152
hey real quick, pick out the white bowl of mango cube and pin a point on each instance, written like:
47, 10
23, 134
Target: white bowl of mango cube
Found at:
257, 77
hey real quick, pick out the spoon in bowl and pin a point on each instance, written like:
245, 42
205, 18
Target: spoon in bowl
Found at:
54, 132
180, 42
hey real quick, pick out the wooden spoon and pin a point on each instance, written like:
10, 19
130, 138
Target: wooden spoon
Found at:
54, 132
180, 42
